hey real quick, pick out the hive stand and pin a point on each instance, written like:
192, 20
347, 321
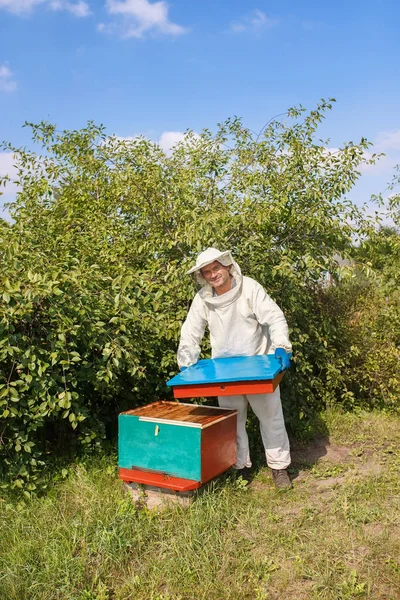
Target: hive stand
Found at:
145, 496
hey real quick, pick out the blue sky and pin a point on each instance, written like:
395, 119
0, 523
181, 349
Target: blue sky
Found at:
159, 68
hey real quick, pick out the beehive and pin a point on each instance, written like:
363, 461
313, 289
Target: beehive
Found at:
175, 445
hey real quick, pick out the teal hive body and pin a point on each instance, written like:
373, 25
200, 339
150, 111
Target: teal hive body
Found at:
174, 445
169, 448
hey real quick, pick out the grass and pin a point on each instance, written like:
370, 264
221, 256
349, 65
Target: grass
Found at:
335, 536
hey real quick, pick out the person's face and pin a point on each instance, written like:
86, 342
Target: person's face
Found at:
217, 275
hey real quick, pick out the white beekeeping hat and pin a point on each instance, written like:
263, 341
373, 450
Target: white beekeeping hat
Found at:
209, 256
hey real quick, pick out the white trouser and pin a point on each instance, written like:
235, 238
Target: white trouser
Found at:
268, 409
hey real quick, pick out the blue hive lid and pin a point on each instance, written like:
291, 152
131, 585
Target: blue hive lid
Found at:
221, 370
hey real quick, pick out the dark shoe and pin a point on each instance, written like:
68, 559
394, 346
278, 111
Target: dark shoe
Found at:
281, 479
244, 473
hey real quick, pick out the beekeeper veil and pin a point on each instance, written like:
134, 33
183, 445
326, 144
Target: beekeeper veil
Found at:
209, 256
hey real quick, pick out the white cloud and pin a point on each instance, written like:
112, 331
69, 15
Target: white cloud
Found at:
19, 7
255, 22
6, 163
309, 25
381, 166
384, 165
26, 7
331, 151
388, 143
7, 81
78, 9
168, 139
7, 166
110, 140
7, 193
128, 138
388, 140
136, 18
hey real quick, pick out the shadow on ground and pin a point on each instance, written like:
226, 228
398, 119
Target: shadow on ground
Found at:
305, 453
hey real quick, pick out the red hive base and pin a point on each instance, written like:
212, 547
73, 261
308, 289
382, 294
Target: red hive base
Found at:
228, 389
159, 480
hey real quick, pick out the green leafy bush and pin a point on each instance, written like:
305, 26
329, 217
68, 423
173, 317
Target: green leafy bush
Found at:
93, 265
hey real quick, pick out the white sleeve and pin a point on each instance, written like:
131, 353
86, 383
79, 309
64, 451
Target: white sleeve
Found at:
192, 333
269, 314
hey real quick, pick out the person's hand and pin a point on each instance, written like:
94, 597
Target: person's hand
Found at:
283, 357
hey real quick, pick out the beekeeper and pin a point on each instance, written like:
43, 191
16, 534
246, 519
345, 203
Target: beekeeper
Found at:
243, 321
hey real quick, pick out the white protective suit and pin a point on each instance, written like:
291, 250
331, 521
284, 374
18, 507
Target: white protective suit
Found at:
244, 321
